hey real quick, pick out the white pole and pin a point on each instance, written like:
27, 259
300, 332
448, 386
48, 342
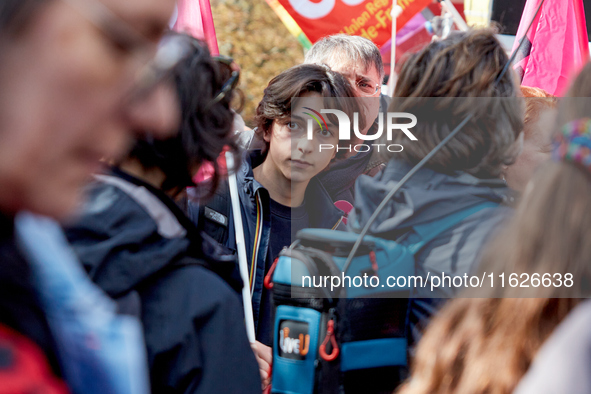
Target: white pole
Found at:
460, 22
396, 10
241, 247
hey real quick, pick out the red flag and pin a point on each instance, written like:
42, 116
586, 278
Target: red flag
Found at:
556, 46
368, 18
194, 17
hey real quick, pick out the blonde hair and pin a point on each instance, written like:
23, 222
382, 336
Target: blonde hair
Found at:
485, 345
536, 101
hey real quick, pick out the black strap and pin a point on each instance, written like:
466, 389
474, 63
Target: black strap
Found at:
214, 216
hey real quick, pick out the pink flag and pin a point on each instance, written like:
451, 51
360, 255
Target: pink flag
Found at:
556, 46
194, 17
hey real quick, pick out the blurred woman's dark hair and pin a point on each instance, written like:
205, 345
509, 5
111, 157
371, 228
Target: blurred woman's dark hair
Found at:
445, 82
277, 101
15, 14
206, 123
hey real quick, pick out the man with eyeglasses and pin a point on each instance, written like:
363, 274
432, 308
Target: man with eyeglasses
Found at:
78, 79
360, 61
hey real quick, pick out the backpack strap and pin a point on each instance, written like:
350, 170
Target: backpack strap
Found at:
429, 231
214, 216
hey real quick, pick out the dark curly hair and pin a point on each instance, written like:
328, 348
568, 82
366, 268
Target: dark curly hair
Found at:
206, 127
445, 82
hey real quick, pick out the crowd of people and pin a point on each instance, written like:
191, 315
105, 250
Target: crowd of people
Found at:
118, 241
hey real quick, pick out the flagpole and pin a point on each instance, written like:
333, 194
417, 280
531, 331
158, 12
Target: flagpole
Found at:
457, 18
392, 79
208, 27
241, 248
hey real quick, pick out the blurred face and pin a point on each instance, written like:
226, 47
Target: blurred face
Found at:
537, 148
364, 83
292, 153
65, 100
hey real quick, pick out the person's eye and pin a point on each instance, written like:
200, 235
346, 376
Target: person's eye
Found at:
325, 133
120, 43
119, 39
293, 126
547, 148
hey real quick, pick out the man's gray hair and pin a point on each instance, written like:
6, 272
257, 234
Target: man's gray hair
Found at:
342, 49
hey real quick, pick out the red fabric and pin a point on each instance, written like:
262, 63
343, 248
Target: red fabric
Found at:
344, 206
557, 45
195, 18
367, 18
206, 170
24, 368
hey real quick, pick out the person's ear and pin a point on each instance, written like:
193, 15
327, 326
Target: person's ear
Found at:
267, 135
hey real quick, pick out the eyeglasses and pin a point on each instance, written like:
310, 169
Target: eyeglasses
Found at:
156, 60
367, 89
231, 83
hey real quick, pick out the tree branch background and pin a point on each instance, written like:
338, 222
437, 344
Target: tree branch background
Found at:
252, 34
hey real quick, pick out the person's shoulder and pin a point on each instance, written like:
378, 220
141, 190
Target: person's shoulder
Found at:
193, 284
108, 200
184, 296
458, 249
109, 210
490, 216
479, 226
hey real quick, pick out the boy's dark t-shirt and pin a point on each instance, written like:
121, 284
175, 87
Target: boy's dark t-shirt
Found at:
285, 223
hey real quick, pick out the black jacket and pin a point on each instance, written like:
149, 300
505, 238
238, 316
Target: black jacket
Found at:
256, 221
140, 248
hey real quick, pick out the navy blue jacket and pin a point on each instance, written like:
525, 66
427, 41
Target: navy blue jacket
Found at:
254, 202
141, 249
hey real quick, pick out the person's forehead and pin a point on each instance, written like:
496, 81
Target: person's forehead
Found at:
358, 70
149, 17
308, 100
540, 129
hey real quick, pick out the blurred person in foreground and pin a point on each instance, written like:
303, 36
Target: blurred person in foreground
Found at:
485, 345
70, 97
538, 124
563, 362
142, 250
441, 85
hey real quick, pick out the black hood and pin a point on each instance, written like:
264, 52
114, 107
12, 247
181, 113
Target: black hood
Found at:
121, 245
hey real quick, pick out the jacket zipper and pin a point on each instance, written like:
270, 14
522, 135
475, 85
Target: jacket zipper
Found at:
337, 223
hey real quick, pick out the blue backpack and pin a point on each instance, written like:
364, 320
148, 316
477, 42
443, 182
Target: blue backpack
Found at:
352, 337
